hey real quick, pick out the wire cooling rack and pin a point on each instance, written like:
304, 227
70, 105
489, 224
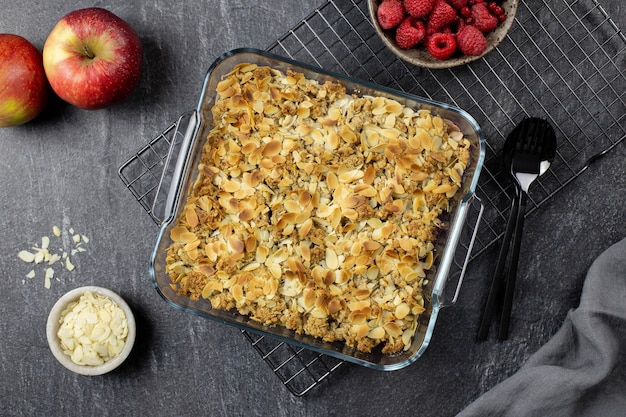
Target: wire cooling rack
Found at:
563, 61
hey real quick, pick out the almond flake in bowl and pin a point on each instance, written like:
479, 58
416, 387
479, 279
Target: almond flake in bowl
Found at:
91, 330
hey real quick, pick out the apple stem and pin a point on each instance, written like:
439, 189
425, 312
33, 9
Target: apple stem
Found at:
88, 52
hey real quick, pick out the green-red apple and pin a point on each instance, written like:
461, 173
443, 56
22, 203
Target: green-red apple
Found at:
92, 58
23, 85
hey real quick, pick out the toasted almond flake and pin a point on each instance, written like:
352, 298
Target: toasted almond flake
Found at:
235, 244
402, 310
371, 245
363, 330
191, 216
365, 190
332, 180
351, 176
305, 228
418, 309
334, 306
429, 260
292, 206
376, 333
230, 186
332, 261
188, 237
393, 329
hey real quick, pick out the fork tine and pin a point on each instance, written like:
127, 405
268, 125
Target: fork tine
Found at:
533, 137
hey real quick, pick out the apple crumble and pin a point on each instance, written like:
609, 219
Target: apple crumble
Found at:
316, 209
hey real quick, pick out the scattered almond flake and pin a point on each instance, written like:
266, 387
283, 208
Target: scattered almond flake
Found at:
39, 256
46, 256
68, 264
55, 257
26, 256
48, 277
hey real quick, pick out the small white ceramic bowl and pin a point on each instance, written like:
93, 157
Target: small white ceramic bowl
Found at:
55, 343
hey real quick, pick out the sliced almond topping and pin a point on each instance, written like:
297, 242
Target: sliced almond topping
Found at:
315, 203
376, 333
331, 259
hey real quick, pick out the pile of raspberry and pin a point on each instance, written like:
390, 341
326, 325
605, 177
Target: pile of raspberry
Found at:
442, 26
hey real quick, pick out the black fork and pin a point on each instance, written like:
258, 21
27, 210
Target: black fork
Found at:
528, 151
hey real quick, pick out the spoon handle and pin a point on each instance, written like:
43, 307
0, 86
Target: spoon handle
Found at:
497, 280
505, 317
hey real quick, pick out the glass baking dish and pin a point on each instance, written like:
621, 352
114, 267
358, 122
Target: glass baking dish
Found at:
181, 171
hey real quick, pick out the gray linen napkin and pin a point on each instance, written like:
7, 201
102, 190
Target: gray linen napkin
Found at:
581, 371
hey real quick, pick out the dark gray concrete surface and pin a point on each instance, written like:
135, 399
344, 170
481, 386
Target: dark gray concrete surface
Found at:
61, 169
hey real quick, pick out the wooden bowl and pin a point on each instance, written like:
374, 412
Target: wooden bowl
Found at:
420, 56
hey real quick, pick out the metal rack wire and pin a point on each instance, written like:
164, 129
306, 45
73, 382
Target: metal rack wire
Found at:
563, 62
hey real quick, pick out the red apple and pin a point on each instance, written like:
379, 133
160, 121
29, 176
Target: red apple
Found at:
92, 58
23, 85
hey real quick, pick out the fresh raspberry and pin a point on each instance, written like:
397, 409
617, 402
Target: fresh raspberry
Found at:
390, 13
471, 41
410, 32
419, 8
441, 45
482, 19
457, 4
495, 8
442, 15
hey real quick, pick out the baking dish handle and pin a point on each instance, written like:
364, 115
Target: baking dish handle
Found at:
168, 190
471, 212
